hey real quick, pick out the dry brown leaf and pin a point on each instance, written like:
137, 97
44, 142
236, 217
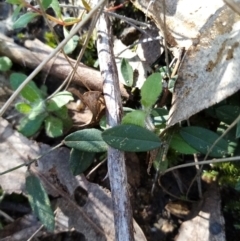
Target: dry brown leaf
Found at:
93, 100
210, 32
54, 171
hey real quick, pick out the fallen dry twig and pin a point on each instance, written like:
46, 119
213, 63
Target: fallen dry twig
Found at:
36, 51
123, 220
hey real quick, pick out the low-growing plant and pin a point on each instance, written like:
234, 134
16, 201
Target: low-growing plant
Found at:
37, 110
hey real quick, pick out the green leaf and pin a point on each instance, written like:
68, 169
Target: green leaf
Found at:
56, 8
15, 2
46, 3
71, 44
151, 90
5, 63
228, 113
89, 140
202, 139
30, 92
62, 113
131, 138
136, 117
40, 202
16, 12
127, 72
23, 108
86, 5
80, 161
23, 20
53, 126
59, 100
38, 108
30, 127
238, 130
181, 146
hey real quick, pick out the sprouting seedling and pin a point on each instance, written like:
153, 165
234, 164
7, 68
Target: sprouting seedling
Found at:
150, 92
38, 111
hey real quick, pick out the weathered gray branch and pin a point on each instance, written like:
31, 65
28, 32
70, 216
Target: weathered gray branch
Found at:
116, 165
36, 51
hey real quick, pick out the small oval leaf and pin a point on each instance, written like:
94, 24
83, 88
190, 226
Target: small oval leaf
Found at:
71, 44
46, 3
89, 140
53, 126
5, 63
40, 202
23, 108
80, 161
181, 146
136, 117
202, 139
56, 8
23, 20
151, 90
127, 72
59, 100
30, 127
30, 92
131, 138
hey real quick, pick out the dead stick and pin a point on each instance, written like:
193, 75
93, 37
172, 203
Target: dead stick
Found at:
123, 220
36, 51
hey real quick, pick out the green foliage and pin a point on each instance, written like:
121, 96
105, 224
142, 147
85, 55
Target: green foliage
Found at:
202, 139
46, 3
23, 108
136, 117
151, 90
5, 64
30, 127
80, 161
23, 20
88, 140
37, 111
127, 72
40, 202
50, 39
71, 44
14, 1
56, 8
131, 138
30, 92
59, 100
53, 126
178, 144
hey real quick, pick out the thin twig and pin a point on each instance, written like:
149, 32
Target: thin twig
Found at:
220, 137
96, 167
